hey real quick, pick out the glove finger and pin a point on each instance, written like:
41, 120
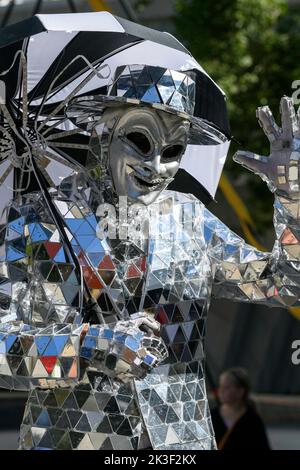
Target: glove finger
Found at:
267, 122
288, 118
150, 323
252, 161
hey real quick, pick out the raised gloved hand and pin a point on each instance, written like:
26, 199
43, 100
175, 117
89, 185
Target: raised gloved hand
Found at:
281, 169
128, 350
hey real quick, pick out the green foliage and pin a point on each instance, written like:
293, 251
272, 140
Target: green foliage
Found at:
140, 5
251, 48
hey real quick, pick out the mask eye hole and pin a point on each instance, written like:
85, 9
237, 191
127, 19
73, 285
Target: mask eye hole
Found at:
140, 141
172, 152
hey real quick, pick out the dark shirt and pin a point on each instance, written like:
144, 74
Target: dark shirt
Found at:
247, 433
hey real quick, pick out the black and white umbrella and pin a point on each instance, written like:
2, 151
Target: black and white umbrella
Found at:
47, 60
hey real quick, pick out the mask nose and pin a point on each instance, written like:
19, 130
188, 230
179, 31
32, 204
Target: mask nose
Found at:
156, 165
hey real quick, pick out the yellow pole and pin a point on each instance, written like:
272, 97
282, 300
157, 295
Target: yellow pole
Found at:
99, 5
241, 211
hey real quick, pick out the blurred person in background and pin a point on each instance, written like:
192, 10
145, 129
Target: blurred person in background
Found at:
236, 422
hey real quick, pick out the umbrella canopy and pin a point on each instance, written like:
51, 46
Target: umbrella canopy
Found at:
47, 60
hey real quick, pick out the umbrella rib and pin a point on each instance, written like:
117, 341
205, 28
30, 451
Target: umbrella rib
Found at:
42, 160
101, 60
23, 172
12, 124
20, 52
59, 159
37, 87
4, 108
107, 56
73, 93
6, 173
70, 146
66, 160
56, 123
6, 133
25, 160
62, 134
25, 93
22, 82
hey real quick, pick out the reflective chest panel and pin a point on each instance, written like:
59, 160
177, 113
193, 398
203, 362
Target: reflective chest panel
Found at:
165, 265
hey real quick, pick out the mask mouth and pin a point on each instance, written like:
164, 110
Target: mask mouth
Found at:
149, 184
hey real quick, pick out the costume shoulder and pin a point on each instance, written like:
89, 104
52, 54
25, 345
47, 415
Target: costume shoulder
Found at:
39, 282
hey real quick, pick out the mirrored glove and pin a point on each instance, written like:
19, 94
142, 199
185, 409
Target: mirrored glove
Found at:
128, 350
281, 168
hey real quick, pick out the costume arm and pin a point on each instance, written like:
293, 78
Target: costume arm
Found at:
56, 357
40, 315
240, 271
38, 357
243, 273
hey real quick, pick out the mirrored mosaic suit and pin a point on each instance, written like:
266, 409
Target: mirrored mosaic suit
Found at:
176, 281
85, 390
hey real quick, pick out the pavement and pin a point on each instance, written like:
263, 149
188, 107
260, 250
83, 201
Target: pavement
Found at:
285, 436
9, 440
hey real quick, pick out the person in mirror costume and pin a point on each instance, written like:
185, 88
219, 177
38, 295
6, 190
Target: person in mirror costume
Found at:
141, 263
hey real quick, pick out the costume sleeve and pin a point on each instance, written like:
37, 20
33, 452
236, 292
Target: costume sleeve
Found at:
54, 357
243, 273
39, 357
